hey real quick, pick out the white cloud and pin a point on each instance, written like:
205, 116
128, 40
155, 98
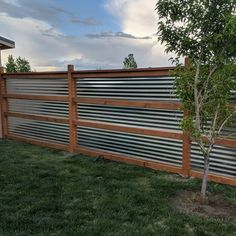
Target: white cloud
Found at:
35, 40
138, 17
48, 49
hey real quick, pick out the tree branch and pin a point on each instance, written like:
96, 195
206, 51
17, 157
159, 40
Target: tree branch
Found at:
196, 101
215, 121
225, 121
204, 91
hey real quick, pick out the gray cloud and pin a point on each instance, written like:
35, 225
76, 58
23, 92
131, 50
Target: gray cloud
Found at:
85, 64
87, 21
115, 35
50, 32
59, 9
32, 9
41, 11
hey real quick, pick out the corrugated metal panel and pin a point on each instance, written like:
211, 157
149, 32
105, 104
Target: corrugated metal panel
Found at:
149, 118
230, 131
39, 130
48, 108
38, 86
223, 160
144, 147
157, 149
227, 132
160, 88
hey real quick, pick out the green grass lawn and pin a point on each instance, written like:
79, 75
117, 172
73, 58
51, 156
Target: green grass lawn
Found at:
45, 192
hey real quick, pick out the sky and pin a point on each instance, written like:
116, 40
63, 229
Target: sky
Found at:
90, 34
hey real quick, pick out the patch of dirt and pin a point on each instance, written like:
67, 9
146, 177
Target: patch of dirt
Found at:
175, 177
215, 206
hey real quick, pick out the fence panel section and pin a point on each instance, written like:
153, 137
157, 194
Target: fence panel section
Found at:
38, 109
131, 116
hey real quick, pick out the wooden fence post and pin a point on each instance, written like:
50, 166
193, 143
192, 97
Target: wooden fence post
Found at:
72, 109
4, 105
1, 103
186, 158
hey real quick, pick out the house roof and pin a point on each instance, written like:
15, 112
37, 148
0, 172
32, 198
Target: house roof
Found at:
6, 43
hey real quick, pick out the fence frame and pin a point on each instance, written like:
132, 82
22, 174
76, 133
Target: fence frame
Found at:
73, 121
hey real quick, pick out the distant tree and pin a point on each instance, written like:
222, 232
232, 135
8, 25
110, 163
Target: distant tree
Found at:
22, 65
129, 62
17, 65
11, 64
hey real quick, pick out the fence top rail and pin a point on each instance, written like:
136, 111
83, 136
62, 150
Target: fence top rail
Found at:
116, 73
139, 72
35, 75
125, 70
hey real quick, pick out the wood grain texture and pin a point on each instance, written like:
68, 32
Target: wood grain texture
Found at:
215, 178
38, 117
36, 75
226, 142
37, 97
4, 105
125, 73
128, 129
131, 103
129, 160
72, 109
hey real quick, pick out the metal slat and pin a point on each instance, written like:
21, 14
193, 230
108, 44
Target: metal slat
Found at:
139, 141
39, 130
150, 148
128, 136
163, 119
160, 88
222, 159
38, 86
60, 109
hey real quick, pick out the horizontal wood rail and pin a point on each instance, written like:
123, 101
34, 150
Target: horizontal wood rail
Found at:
222, 141
37, 97
213, 177
129, 160
36, 75
226, 142
128, 129
129, 73
38, 117
164, 68
131, 103
38, 142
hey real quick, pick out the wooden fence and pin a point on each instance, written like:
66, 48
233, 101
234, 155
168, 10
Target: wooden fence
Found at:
83, 112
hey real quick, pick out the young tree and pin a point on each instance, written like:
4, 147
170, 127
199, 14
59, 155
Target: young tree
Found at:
129, 62
205, 32
17, 65
10, 65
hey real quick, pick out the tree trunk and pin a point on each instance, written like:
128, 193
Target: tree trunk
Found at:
205, 176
